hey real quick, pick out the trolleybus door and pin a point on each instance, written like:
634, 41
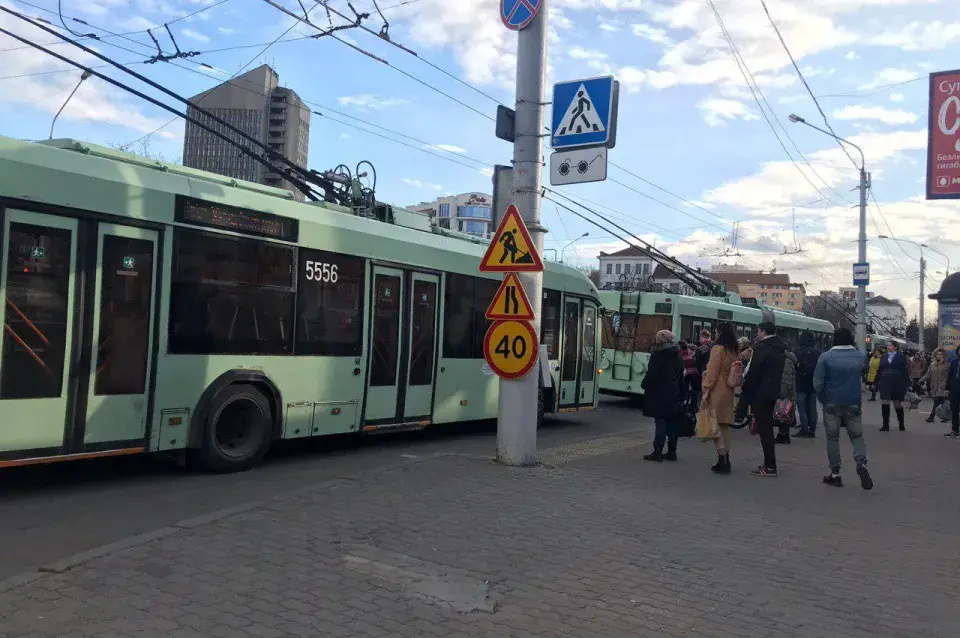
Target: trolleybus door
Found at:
588, 355
383, 381
570, 361
422, 347
37, 287
122, 334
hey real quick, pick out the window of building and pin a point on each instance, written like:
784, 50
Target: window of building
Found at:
626, 269
444, 210
609, 269
230, 295
618, 268
329, 304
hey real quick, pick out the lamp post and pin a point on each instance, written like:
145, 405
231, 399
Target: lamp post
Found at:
862, 253
83, 77
923, 270
570, 243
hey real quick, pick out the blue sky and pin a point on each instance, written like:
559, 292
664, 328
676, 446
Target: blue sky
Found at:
688, 121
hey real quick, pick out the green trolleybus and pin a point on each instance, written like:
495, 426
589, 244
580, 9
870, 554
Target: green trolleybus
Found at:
155, 308
632, 319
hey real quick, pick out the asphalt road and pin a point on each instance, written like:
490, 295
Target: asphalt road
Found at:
50, 512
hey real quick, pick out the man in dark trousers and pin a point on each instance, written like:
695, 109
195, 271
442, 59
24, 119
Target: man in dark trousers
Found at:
762, 389
807, 357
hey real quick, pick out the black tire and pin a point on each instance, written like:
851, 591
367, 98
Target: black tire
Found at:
238, 430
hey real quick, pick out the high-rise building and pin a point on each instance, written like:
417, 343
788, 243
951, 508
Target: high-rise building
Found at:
465, 213
256, 104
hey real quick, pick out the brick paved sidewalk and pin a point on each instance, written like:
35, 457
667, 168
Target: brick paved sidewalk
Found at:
597, 543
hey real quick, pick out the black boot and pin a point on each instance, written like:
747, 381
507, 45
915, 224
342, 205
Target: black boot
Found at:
885, 413
929, 419
723, 465
654, 456
671, 454
900, 419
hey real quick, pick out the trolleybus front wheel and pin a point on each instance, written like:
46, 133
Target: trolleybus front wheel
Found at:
238, 430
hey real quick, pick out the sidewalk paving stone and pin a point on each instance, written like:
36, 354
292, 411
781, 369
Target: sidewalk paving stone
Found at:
595, 542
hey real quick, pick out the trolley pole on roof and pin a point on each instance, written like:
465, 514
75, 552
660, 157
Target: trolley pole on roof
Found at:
518, 409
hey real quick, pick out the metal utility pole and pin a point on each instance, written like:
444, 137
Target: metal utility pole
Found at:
862, 256
83, 78
862, 259
519, 399
923, 274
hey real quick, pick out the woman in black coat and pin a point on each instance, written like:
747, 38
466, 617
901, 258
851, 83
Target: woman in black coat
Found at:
894, 381
662, 386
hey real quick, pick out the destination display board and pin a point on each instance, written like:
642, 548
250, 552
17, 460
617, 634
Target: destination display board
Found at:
240, 220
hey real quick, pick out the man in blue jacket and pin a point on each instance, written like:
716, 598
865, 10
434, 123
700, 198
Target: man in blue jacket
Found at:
836, 381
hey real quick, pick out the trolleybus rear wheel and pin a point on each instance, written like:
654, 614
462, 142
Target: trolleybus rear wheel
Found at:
238, 430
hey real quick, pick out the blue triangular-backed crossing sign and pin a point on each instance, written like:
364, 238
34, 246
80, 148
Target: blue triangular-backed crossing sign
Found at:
517, 14
584, 113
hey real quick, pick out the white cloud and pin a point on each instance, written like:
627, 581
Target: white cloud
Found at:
889, 76
852, 55
653, 34
920, 36
194, 35
716, 111
896, 97
226, 30
370, 101
608, 26
416, 183
450, 148
579, 53
137, 23
879, 113
94, 101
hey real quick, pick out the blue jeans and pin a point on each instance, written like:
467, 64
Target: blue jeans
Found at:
666, 433
850, 417
807, 406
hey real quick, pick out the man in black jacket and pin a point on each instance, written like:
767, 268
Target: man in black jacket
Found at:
807, 357
762, 388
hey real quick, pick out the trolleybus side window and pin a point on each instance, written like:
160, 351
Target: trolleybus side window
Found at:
423, 332
329, 304
458, 317
230, 295
484, 292
571, 335
588, 366
37, 293
386, 338
646, 331
550, 326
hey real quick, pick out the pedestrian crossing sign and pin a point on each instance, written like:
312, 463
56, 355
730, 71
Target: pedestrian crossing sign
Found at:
511, 249
510, 302
585, 113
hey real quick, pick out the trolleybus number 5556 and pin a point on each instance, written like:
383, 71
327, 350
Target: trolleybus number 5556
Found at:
319, 271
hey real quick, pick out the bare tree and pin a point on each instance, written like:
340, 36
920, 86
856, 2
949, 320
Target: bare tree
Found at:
142, 148
828, 310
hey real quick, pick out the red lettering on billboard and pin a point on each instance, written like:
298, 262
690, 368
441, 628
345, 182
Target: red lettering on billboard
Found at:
943, 148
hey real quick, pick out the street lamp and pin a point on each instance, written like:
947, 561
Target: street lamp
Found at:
923, 268
83, 77
864, 185
573, 241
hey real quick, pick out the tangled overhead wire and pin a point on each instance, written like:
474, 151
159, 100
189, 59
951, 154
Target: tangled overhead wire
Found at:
165, 57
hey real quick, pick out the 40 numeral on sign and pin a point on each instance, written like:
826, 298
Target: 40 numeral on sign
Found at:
510, 348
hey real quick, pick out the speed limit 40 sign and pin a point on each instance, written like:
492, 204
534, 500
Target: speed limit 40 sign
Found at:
511, 348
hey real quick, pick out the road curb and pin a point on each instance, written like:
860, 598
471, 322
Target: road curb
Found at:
68, 563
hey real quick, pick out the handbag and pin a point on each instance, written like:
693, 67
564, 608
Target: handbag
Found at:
943, 411
707, 427
913, 400
784, 412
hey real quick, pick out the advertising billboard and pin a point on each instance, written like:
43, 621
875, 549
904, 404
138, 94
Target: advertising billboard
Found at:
943, 131
949, 328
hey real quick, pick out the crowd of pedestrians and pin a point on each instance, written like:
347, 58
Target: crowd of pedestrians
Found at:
772, 388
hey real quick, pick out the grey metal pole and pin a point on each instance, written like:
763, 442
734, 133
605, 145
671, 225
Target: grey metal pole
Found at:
83, 77
923, 274
518, 407
862, 290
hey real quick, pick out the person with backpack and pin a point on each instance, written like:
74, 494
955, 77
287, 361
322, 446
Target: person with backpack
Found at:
807, 357
722, 378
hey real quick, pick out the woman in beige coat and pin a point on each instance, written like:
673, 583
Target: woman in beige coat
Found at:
718, 395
